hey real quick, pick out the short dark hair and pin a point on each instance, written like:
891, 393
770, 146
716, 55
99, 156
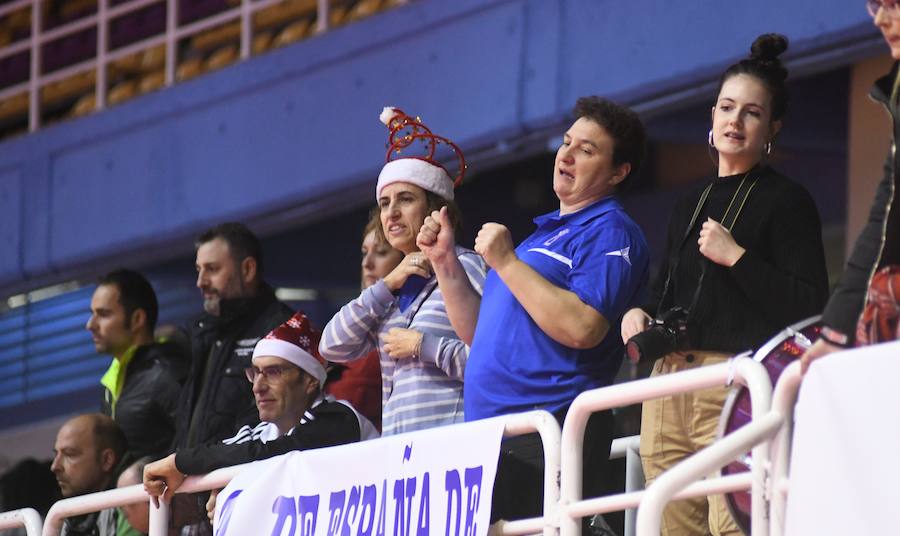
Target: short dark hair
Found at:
623, 125
108, 435
241, 242
135, 292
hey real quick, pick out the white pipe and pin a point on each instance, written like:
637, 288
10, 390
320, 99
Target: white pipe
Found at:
92, 502
759, 385
518, 527
246, 29
621, 446
743, 369
322, 14
171, 40
13, 6
546, 425
631, 500
24, 517
34, 100
159, 519
783, 402
102, 46
697, 466
15, 48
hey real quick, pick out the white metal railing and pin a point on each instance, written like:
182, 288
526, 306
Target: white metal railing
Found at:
25, 517
771, 431
104, 57
546, 425
94, 502
741, 369
563, 506
539, 421
629, 448
783, 401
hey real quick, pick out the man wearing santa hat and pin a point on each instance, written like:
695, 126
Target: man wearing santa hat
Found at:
287, 377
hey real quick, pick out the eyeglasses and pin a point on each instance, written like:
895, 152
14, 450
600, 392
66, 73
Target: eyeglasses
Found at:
891, 7
272, 374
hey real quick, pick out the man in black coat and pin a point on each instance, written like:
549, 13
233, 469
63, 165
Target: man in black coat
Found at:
239, 310
287, 376
143, 382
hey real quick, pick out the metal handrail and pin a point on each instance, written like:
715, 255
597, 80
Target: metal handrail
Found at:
538, 421
783, 402
24, 517
742, 369
94, 502
774, 428
711, 458
101, 19
546, 425
630, 449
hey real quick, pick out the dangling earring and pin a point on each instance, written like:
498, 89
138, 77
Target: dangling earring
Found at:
768, 147
711, 144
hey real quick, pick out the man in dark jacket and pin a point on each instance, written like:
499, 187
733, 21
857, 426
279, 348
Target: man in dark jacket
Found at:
240, 309
878, 245
143, 381
287, 375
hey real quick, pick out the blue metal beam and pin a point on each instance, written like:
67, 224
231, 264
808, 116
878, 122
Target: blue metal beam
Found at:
282, 137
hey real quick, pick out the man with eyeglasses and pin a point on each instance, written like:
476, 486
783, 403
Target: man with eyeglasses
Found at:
873, 269
287, 376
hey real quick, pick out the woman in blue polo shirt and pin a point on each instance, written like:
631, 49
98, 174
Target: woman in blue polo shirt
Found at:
547, 327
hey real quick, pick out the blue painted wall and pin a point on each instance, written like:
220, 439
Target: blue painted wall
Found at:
280, 138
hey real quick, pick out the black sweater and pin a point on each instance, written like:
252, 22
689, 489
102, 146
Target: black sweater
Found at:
332, 423
781, 278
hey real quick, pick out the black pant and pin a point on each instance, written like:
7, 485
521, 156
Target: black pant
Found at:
519, 485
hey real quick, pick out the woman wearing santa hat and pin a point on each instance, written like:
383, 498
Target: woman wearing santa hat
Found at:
403, 315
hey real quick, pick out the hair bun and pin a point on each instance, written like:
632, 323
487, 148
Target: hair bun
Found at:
768, 47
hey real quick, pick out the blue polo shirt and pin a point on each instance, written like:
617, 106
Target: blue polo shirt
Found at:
598, 253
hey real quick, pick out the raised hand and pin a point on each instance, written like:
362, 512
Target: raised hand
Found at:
717, 244
162, 478
436, 237
414, 263
494, 243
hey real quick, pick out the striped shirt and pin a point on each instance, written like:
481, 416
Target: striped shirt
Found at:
415, 393
268, 431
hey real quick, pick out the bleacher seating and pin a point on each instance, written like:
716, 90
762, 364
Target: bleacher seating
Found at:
276, 26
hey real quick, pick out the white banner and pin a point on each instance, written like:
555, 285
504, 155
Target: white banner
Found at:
437, 481
844, 476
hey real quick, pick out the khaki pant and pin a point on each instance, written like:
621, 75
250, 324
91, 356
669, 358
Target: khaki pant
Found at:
673, 428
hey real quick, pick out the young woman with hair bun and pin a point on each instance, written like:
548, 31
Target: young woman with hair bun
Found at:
744, 259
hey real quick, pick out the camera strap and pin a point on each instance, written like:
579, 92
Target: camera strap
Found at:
676, 255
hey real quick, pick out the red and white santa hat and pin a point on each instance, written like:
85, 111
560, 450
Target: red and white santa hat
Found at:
423, 170
295, 341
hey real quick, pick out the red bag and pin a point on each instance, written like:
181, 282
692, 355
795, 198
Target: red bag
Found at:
880, 320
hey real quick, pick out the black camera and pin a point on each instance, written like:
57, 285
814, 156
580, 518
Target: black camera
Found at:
667, 333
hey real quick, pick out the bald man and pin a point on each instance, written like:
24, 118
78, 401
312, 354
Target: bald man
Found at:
87, 450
